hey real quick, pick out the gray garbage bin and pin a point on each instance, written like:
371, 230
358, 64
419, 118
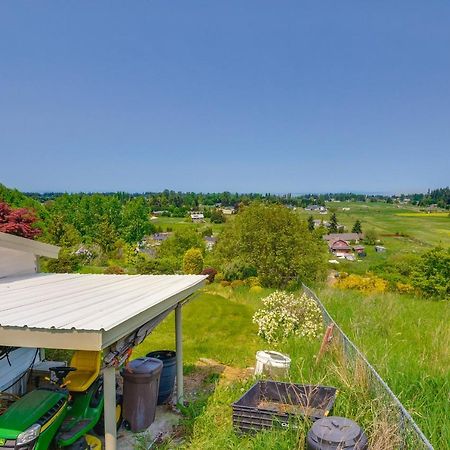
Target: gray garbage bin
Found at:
140, 392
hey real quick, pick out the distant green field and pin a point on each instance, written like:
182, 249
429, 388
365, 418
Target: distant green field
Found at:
402, 230
400, 227
177, 223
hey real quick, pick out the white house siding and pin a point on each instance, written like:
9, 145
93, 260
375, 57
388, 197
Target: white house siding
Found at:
15, 262
21, 359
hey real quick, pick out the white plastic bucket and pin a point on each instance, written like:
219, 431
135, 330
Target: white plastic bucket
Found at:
272, 363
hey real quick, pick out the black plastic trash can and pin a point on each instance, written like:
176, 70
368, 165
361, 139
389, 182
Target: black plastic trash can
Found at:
168, 374
336, 433
140, 392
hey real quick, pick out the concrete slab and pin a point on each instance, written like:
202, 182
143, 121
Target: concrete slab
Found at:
166, 420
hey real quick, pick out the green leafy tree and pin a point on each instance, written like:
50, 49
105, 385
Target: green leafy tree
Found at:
333, 224
432, 273
310, 223
276, 242
371, 237
106, 236
217, 216
135, 222
357, 227
193, 261
180, 242
61, 233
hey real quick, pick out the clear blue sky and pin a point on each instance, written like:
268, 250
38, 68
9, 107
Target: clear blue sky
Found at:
268, 96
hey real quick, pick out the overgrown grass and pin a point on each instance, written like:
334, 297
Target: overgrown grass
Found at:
218, 325
407, 340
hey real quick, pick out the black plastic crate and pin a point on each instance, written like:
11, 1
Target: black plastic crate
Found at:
270, 403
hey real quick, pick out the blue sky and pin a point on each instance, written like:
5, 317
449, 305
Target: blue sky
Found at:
267, 96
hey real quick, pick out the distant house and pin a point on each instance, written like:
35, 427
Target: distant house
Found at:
360, 250
159, 213
324, 223
317, 208
159, 238
84, 252
210, 242
339, 247
197, 217
380, 249
228, 211
349, 237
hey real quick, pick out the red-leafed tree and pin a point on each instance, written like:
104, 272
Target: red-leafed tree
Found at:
18, 221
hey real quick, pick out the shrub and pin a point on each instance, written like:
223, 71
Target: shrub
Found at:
217, 216
193, 261
66, 263
255, 289
371, 237
237, 284
225, 283
114, 270
284, 315
210, 272
368, 283
219, 277
252, 281
155, 266
404, 288
431, 275
236, 269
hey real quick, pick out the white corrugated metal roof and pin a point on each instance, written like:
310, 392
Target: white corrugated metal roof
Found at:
96, 309
28, 245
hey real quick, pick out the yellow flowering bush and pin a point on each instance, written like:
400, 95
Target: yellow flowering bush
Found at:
367, 283
283, 315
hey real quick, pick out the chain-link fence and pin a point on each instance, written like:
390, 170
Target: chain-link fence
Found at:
411, 435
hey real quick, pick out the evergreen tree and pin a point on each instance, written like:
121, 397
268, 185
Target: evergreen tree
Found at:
310, 223
357, 227
333, 224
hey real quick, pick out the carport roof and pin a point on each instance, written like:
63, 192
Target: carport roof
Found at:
85, 312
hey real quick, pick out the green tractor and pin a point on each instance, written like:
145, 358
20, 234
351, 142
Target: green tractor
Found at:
62, 413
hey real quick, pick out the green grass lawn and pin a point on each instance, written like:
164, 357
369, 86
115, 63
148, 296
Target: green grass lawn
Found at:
177, 223
421, 231
218, 325
407, 340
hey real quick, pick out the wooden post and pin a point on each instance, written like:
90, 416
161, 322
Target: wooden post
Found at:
179, 349
327, 337
109, 392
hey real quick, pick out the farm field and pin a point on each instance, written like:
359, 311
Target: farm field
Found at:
400, 227
403, 230
218, 326
177, 223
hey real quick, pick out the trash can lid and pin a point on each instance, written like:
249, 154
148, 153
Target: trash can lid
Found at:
337, 430
162, 354
144, 365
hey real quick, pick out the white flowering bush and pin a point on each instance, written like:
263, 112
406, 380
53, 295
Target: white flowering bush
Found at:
284, 315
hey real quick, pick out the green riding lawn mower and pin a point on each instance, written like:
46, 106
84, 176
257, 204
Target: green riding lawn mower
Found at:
62, 413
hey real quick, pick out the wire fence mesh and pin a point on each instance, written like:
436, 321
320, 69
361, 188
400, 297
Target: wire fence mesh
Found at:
411, 436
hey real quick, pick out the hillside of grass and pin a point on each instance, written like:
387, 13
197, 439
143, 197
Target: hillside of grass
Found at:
217, 325
407, 340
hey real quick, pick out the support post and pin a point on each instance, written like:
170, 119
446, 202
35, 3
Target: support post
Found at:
179, 349
109, 390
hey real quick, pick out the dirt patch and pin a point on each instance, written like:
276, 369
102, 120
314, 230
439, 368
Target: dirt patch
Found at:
207, 372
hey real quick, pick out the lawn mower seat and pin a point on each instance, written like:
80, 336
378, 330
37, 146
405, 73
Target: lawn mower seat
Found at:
88, 370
